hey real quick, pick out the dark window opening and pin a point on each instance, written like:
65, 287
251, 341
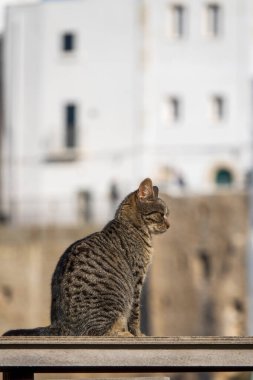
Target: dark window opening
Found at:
172, 111
238, 305
178, 20
219, 106
224, 177
70, 125
205, 260
175, 108
7, 292
68, 42
214, 19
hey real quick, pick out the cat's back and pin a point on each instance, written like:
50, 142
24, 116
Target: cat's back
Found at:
95, 259
96, 248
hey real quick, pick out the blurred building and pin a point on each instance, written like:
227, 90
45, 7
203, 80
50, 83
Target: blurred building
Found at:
4, 4
101, 93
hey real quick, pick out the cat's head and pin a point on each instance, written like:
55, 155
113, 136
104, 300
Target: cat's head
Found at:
144, 207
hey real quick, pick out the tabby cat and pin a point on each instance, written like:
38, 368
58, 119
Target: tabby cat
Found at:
97, 282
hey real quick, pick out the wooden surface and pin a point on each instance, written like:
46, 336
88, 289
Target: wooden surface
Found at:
149, 354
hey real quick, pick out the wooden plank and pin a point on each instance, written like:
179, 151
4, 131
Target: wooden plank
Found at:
149, 354
88, 340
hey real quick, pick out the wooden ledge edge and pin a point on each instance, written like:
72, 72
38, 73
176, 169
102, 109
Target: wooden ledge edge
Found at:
149, 341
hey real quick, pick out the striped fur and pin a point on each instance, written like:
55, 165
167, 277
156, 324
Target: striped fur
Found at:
97, 282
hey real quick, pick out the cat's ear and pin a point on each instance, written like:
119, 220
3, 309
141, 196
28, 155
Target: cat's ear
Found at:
146, 190
156, 191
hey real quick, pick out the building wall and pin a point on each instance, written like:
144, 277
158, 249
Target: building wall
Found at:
126, 65
100, 77
193, 68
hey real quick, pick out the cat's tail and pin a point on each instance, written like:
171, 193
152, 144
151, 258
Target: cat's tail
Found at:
38, 331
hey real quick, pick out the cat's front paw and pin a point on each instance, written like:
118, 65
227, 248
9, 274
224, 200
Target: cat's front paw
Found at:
136, 332
121, 334
125, 333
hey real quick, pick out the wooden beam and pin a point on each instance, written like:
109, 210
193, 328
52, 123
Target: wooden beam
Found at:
149, 354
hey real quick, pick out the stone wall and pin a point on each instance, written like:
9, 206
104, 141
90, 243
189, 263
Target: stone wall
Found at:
197, 282
28, 258
198, 278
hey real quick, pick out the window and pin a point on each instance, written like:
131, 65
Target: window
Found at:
217, 108
68, 42
176, 20
70, 117
224, 177
172, 110
213, 19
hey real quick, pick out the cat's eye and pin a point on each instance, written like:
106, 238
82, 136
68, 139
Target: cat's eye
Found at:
154, 213
157, 214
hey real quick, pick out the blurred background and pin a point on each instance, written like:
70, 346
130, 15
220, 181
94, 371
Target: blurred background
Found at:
96, 95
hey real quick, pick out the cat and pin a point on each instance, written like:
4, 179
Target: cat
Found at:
97, 282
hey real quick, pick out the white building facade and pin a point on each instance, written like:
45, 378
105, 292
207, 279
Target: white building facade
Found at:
102, 93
